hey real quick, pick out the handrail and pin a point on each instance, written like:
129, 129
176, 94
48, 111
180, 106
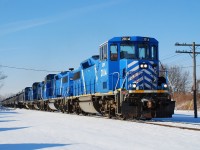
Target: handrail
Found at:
117, 78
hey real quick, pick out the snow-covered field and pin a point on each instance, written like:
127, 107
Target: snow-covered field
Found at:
22, 129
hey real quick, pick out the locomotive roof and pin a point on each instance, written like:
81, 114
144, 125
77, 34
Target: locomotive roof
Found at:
28, 88
50, 75
35, 83
132, 38
59, 75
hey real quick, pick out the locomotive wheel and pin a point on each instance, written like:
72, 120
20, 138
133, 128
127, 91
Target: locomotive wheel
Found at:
84, 113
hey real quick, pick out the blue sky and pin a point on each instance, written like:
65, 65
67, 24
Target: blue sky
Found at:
57, 34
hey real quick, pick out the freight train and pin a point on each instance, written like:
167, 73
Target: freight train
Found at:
123, 81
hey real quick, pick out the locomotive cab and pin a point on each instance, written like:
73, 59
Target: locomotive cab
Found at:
67, 83
129, 63
40, 89
50, 86
28, 94
35, 90
59, 80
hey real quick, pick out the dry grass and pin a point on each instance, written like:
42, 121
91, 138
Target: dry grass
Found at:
184, 101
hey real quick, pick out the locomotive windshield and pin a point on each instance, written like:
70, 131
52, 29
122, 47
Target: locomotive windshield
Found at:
138, 51
146, 52
127, 51
135, 51
143, 50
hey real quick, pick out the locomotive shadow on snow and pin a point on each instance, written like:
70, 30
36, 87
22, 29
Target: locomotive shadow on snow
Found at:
2, 111
7, 120
8, 129
182, 115
30, 146
6, 109
5, 116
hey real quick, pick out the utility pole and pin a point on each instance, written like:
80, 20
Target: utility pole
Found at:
194, 54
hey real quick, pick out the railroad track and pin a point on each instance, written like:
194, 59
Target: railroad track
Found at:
153, 123
166, 125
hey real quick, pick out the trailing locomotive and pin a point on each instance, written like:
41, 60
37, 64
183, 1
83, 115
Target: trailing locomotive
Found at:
123, 81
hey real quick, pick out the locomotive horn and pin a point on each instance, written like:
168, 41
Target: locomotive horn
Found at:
71, 69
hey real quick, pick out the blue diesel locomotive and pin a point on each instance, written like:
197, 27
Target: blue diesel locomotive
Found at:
124, 81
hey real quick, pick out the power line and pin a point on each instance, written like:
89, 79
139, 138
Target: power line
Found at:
179, 59
43, 70
189, 66
169, 57
27, 69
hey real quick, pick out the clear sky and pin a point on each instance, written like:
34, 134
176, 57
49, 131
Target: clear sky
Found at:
54, 35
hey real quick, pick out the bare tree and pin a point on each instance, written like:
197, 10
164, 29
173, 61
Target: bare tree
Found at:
1, 97
2, 77
178, 78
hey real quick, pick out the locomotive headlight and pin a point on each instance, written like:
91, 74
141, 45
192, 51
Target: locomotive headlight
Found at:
165, 86
134, 85
145, 65
141, 65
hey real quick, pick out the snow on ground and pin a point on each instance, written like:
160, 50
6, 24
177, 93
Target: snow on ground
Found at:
22, 129
181, 118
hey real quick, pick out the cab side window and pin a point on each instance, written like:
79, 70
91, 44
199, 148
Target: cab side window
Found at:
113, 52
103, 52
154, 51
65, 79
